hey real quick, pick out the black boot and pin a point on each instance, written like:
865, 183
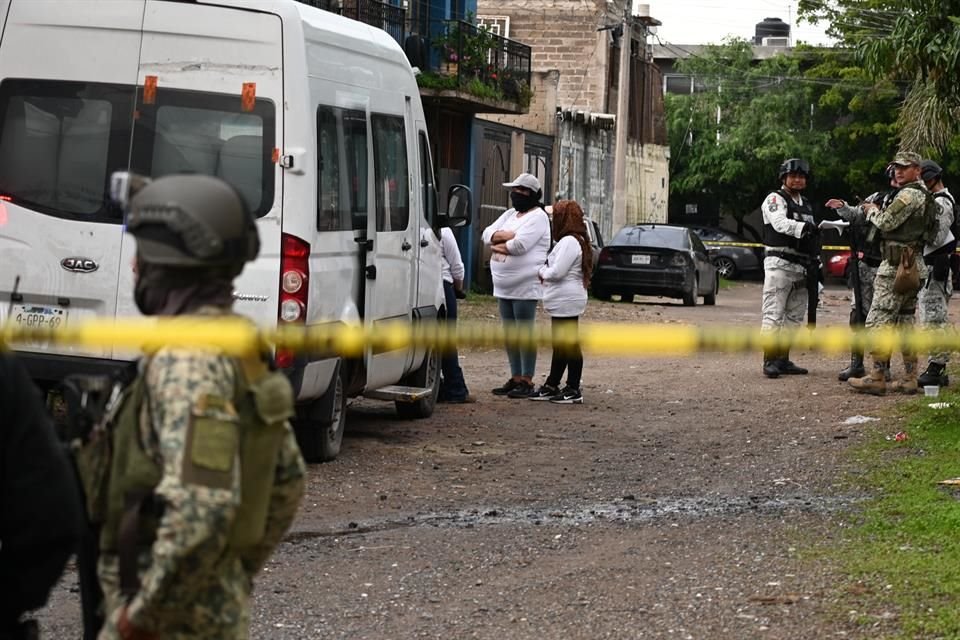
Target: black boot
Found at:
936, 374
787, 368
855, 369
770, 368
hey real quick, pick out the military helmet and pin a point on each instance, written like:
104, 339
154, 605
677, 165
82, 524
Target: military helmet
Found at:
192, 221
930, 170
794, 165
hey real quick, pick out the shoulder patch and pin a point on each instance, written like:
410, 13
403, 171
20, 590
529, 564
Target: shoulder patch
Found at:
213, 443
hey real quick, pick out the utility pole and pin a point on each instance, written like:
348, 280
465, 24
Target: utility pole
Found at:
623, 124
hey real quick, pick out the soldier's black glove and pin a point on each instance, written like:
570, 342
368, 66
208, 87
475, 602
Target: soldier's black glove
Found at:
809, 229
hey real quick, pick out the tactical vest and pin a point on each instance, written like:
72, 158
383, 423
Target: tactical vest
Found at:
263, 401
913, 228
801, 213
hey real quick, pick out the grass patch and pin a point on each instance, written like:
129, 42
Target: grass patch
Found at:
903, 554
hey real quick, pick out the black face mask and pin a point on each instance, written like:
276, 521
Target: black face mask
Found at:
522, 202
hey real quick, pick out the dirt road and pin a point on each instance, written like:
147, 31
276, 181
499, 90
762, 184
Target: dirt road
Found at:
673, 504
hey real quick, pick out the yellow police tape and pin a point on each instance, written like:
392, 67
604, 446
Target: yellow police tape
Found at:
237, 336
757, 245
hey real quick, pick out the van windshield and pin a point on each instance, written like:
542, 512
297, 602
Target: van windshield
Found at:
60, 141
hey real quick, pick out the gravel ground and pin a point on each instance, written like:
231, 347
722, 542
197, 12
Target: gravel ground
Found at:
682, 500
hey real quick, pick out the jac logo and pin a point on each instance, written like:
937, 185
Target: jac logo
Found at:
79, 265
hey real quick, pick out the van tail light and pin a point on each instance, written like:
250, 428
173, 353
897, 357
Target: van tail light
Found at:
605, 256
294, 288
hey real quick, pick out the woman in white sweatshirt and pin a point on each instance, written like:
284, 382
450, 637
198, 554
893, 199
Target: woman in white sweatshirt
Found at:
519, 240
565, 278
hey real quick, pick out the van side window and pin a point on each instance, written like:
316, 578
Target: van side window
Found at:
427, 181
341, 169
59, 142
355, 148
392, 174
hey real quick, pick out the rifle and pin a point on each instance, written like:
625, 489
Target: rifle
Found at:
813, 280
88, 399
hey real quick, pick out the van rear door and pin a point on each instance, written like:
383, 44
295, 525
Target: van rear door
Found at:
210, 101
67, 77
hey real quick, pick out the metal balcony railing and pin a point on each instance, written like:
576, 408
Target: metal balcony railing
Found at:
382, 15
470, 55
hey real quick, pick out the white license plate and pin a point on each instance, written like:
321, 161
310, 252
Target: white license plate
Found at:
36, 316
639, 258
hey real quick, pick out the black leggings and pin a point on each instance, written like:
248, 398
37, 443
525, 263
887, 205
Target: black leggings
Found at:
565, 357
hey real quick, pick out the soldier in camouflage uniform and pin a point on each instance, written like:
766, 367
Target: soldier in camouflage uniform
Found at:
935, 294
206, 475
902, 225
864, 239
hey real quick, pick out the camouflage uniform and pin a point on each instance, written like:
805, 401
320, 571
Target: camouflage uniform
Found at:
205, 474
935, 295
866, 272
192, 584
890, 308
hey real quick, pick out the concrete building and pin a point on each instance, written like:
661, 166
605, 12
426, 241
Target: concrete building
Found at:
578, 135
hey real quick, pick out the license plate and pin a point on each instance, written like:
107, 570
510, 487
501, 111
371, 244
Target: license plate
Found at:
34, 316
639, 258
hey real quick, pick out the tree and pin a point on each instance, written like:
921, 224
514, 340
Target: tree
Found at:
913, 42
812, 104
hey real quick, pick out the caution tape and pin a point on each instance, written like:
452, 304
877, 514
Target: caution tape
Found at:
236, 336
757, 245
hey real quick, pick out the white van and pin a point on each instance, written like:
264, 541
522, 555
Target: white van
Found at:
314, 118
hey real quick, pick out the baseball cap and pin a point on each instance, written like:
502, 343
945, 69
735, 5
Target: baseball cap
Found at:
525, 180
930, 170
906, 159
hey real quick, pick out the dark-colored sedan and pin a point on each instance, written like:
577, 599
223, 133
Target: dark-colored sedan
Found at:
656, 260
731, 262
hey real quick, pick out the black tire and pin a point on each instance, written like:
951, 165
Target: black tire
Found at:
428, 375
601, 294
711, 298
626, 296
320, 429
690, 297
726, 268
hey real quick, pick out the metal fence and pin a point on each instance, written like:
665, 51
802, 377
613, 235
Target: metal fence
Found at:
381, 15
470, 53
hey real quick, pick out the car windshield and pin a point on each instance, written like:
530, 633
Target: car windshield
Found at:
659, 237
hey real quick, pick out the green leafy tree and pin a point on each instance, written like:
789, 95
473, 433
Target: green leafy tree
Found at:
912, 42
728, 140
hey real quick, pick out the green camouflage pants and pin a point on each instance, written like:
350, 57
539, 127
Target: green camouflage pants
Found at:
891, 309
933, 300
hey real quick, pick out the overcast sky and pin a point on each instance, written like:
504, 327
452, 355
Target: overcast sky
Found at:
710, 21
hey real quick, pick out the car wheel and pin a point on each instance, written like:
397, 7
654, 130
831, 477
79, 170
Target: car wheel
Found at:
711, 298
428, 375
690, 297
726, 267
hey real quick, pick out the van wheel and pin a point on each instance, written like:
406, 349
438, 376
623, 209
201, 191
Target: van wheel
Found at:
428, 375
320, 436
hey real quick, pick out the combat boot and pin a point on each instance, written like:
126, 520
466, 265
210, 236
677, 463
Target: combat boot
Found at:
770, 365
787, 367
908, 383
855, 369
873, 383
935, 374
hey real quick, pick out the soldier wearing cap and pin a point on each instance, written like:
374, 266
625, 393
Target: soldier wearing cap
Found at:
865, 241
205, 474
519, 241
788, 234
935, 294
902, 227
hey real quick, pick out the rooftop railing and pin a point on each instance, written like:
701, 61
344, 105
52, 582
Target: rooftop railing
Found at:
382, 15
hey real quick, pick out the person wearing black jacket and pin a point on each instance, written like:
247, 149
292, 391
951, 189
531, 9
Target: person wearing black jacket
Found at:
40, 510
789, 235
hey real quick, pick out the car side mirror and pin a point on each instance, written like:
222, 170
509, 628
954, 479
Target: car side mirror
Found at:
459, 207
